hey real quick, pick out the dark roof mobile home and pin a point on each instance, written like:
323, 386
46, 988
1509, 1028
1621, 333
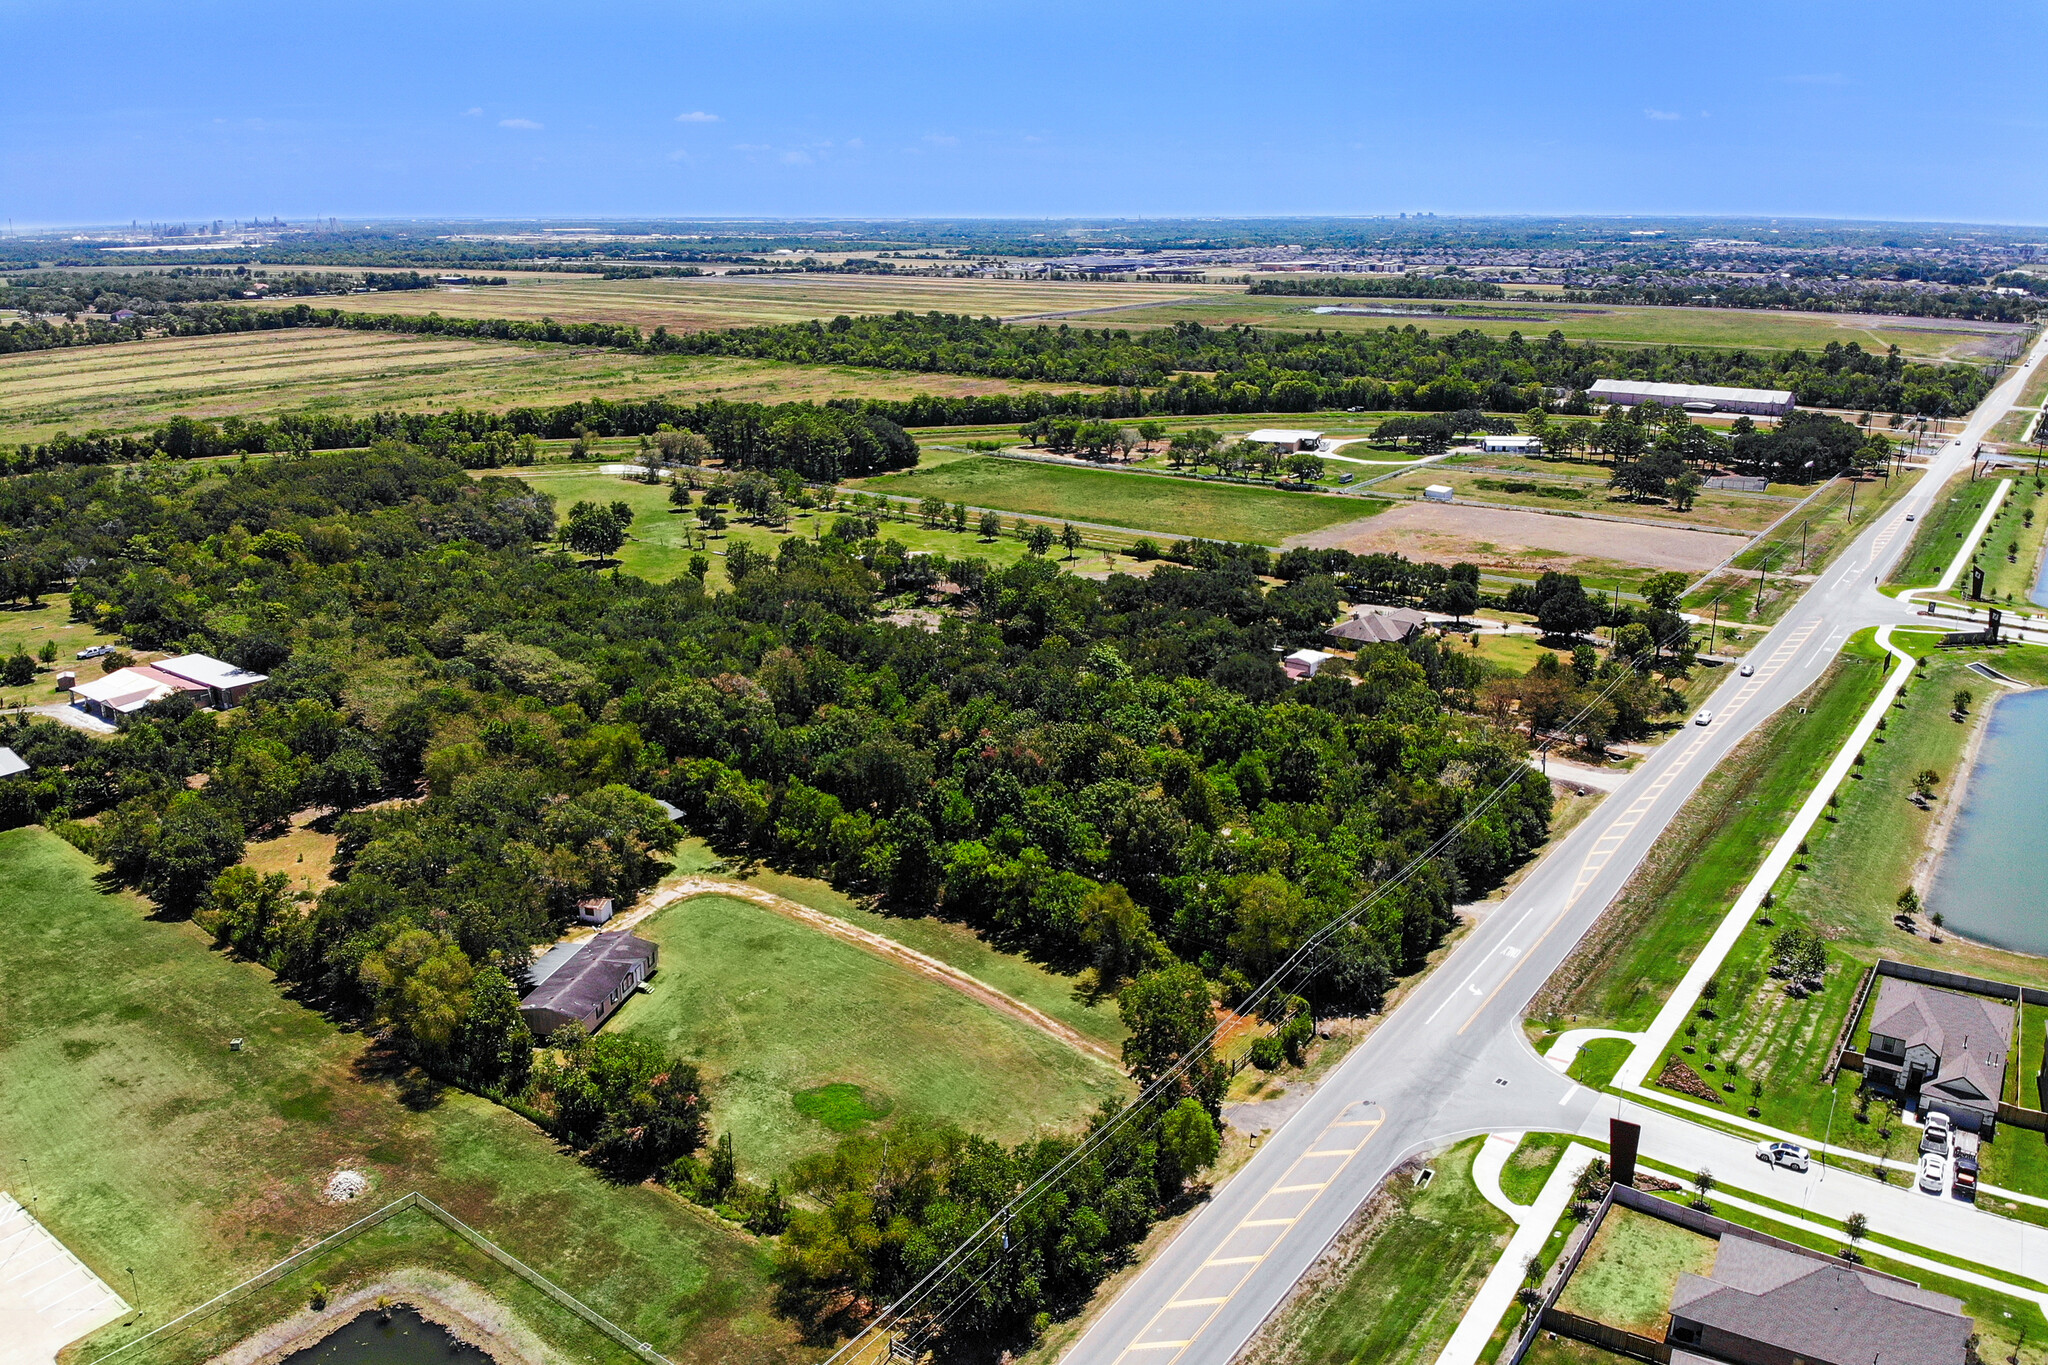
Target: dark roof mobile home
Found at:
592, 982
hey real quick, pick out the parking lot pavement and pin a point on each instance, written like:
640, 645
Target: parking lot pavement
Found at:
48, 1297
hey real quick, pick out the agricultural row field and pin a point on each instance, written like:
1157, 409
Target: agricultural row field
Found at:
265, 374
708, 302
716, 301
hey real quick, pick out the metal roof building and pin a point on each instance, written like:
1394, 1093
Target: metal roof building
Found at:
586, 984
1694, 397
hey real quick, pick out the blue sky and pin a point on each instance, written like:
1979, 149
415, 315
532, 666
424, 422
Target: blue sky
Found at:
114, 111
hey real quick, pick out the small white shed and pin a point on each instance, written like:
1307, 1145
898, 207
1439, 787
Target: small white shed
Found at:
1437, 492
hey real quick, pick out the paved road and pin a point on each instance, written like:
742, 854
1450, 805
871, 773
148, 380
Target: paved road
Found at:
1452, 1061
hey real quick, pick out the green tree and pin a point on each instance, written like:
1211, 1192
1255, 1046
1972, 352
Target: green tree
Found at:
421, 985
494, 1047
48, 653
1038, 539
1188, 1145
596, 531
1070, 537
1118, 932
19, 670
1170, 1016
170, 855
1664, 590
991, 526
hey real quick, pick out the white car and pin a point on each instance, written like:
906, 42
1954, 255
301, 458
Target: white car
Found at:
1747, 670
1705, 717
1909, 516
1933, 1172
1790, 1155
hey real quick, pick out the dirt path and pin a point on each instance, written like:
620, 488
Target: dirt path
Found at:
909, 958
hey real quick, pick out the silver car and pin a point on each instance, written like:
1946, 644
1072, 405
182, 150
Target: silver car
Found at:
1933, 1172
1705, 717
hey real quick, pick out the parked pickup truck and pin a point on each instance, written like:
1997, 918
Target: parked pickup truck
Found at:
1966, 1175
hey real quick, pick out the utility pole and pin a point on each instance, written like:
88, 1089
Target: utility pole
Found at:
1759, 608
1852, 499
1802, 543
1717, 623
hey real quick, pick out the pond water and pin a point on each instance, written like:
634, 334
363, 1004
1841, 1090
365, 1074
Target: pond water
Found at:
407, 1339
1990, 885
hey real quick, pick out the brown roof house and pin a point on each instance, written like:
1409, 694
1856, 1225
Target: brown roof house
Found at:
1380, 626
1767, 1305
1948, 1046
583, 983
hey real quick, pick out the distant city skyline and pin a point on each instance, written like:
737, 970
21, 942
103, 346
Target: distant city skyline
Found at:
1052, 110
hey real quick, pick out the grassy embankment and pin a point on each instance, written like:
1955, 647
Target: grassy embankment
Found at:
1941, 530
2010, 551
1625, 966
1402, 1278
789, 1023
133, 387
1247, 513
147, 1142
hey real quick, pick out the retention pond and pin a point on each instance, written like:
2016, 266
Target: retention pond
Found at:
402, 1337
1992, 884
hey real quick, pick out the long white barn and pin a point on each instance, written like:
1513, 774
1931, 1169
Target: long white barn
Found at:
1693, 397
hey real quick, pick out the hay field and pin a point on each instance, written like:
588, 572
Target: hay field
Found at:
136, 385
708, 302
1929, 339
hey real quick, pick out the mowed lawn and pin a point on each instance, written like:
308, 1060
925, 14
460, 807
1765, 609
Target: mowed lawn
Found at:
142, 1140
1143, 502
774, 1010
1627, 1275
133, 386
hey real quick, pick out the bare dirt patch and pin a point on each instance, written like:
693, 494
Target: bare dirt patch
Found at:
1498, 538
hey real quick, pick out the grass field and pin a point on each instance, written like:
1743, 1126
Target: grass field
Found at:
958, 946
25, 629
1142, 502
1812, 535
713, 301
1626, 1277
263, 374
1537, 1155
773, 1009
1403, 1285
142, 1140
1620, 323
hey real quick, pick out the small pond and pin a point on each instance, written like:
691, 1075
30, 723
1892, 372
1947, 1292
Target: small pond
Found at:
1991, 885
405, 1339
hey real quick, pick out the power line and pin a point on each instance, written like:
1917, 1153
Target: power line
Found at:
910, 1302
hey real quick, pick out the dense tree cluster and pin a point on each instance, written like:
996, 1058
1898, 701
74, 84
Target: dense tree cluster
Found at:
71, 292
891, 1207
1976, 304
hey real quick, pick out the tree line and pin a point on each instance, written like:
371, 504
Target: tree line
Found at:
1185, 369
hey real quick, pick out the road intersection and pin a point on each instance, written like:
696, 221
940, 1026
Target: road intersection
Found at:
1453, 1061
